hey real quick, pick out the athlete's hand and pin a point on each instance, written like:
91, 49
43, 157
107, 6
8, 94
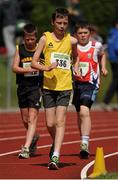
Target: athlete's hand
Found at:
53, 66
104, 71
30, 69
77, 72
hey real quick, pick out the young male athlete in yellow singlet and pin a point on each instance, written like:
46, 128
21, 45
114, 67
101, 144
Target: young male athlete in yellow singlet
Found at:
57, 46
28, 81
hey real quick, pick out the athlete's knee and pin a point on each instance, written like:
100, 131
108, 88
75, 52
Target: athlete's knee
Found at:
60, 123
84, 113
25, 119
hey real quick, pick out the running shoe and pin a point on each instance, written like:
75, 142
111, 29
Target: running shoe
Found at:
33, 145
24, 154
51, 151
84, 152
54, 163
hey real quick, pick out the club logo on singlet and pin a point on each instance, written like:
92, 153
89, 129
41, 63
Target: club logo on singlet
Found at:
89, 55
50, 45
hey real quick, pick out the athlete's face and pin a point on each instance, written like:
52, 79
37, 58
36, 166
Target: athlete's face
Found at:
83, 35
30, 41
60, 25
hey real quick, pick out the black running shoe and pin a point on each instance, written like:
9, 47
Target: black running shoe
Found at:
54, 163
84, 152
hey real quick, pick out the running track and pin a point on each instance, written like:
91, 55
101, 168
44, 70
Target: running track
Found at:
12, 136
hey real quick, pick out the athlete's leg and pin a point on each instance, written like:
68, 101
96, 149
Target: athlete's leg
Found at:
32, 122
50, 117
85, 120
60, 127
25, 116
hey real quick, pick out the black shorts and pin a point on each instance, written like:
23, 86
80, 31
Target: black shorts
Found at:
29, 97
84, 94
55, 98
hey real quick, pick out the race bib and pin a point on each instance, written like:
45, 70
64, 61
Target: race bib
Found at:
63, 60
28, 64
84, 68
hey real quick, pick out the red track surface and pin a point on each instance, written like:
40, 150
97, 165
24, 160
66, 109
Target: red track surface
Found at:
12, 136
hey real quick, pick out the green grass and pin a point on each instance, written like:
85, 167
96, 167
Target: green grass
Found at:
104, 84
108, 176
3, 85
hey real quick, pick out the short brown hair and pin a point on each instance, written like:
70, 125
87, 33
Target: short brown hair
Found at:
60, 12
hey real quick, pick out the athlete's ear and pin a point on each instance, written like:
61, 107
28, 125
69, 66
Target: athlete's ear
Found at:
52, 23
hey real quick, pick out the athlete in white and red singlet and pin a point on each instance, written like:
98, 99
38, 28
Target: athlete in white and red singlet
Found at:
91, 55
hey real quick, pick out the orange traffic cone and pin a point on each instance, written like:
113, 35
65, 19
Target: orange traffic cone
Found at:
99, 165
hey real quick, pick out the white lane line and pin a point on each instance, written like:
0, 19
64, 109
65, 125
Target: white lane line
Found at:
83, 173
66, 133
17, 151
64, 143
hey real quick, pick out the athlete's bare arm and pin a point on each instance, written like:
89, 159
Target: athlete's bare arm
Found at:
37, 54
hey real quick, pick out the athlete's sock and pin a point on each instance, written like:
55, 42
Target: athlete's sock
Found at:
55, 154
85, 139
